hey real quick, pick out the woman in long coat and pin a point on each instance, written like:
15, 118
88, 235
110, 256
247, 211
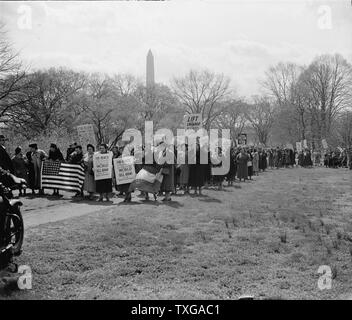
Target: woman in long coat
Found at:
242, 167
55, 155
271, 158
198, 172
37, 158
231, 176
31, 174
104, 186
262, 160
20, 167
168, 182
184, 173
255, 156
89, 182
250, 165
218, 179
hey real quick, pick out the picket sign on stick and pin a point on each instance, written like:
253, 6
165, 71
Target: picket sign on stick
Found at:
124, 170
193, 121
324, 143
102, 163
299, 146
86, 135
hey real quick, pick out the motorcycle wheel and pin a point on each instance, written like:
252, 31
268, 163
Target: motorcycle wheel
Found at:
16, 229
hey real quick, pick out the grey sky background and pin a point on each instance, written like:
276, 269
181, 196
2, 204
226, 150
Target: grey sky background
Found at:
238, 38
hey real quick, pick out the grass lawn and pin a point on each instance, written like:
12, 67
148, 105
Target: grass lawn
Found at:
266, 238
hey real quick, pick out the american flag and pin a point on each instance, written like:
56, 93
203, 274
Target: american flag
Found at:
63, 176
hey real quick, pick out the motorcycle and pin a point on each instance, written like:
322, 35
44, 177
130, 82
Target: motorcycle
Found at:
11, 225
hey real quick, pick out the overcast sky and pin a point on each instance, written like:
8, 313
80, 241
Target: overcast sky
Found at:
238, 38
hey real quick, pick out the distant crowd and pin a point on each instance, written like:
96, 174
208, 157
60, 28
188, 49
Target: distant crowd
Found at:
166, 179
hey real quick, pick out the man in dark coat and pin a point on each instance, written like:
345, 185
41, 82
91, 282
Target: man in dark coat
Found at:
70, 150
5, 159
76, 157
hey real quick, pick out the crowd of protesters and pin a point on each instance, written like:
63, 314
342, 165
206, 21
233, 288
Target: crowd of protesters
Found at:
166, 179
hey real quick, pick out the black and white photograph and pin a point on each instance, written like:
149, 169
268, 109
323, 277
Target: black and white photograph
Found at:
176, 150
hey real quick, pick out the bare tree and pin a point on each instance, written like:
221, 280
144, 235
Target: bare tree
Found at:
328, 90
344, 129
154, 103
125, 84
110, 104
45, 102
11, 74
202, 92
282, 83
233, 117
261, 116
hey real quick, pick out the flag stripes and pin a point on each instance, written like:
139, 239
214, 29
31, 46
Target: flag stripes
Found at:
63, 176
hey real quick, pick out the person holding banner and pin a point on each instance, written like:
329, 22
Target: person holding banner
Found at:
148, 179
103, 172
89, 182
70, 150
76, 157
55, 155
123, 188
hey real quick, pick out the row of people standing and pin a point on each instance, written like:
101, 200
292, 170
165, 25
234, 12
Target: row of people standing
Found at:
28, 166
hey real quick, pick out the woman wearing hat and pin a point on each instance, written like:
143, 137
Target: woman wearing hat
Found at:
55, 155
20, 168
104, 186
89, 182
242, 166
38, 156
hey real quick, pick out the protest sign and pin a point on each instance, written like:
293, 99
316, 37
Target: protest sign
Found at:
86, 135
242, 139
305, 144
324, 144
193, 121
299, 146
124, 170
102, 163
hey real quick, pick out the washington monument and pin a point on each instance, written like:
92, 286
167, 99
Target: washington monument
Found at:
150, 69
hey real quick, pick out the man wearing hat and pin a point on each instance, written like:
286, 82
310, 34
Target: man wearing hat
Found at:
5, 162
5, 159
37, 158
